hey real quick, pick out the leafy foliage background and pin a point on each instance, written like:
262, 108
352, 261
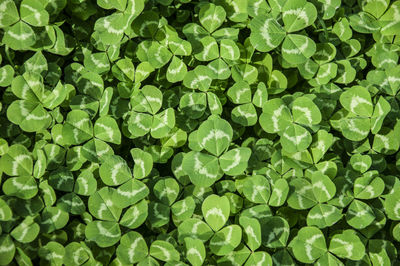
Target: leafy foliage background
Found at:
179, 132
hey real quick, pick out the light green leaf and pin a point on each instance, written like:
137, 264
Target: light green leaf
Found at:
295, 138
305, 111
226, 240
309, 244
275, 117
164, 251
266, 33
104, 233
132, 248
357, 100
211, 16
143, 163
106, 128
215, 211
296, 49
257, 189
17, 161
33, 12
114, 170
234, 162
195, 251
347, 245
215, 135
298, 15
104, 205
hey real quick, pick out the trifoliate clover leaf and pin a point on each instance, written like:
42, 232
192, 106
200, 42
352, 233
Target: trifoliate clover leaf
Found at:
215, 135
215, 132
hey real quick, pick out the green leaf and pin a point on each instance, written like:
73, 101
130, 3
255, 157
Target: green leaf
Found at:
26, 231
259, 258
278, 236
104, 233
77, 128
7, 249
215, 211
114, 170
266, 33
209, 49
295, 138
347, 245
298, 15
5, 211
323, 187
164, 251
215, 135
357, 100
305, 112
211, 16
296, 49
359, 215
309, 245
130, 193
33, 12
234, 162
106, 129
23, 187
17, 161
279, 192
252, 232
229, 50
10, 15
166, 190
323, 215
143, 163
176, 70
195, 251
257, 189
7, 74
104, 205
135, 215
226, 240
276, 116
117, 4
163, 123
132, 248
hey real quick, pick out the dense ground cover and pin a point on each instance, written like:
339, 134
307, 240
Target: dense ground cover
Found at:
179, 132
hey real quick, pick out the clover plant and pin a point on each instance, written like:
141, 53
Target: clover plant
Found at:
210, 132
